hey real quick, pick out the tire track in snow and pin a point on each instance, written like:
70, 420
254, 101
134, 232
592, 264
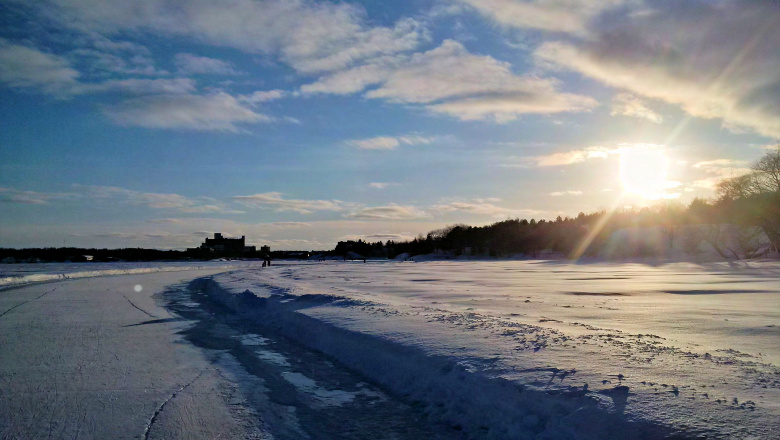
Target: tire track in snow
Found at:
165, 402
131, 303
25, 302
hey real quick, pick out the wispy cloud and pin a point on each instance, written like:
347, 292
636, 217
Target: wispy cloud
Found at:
137, 86
719, 166
718, 169
375, 143
727, 72
103, 54
481, 207
381, 185
262, 96
573, 156
450, 80
389, 142
309, 36
566, 193
189, 64
389, 212
274, 200
627, 104
13, 195
29, 68
216, 112
169, 201
290, 224
551, 15
390, 236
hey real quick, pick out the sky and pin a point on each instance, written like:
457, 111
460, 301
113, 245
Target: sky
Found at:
155, 123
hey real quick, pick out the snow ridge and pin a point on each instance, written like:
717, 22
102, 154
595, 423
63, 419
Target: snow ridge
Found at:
59, 272
444, 387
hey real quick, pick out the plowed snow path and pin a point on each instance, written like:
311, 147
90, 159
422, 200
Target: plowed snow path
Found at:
98, 358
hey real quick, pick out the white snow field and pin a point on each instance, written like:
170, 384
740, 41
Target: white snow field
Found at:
536, 349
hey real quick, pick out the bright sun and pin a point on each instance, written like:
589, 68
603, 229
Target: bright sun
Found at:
643, 172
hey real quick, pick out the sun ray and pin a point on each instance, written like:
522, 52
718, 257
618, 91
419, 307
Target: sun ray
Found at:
579, 251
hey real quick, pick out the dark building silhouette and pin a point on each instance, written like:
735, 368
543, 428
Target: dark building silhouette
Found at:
226, 246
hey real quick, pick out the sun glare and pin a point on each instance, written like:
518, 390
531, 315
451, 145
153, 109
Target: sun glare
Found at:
643, 172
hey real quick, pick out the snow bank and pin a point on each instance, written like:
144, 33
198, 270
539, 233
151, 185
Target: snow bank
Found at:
57, 272
445, 387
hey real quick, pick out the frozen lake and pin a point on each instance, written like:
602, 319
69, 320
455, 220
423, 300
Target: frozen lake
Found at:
687, 346
489, 349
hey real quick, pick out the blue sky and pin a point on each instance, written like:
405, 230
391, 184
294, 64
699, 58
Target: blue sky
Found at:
300, 123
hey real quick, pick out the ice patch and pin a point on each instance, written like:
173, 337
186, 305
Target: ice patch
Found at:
308, 386
253, 339
190, 304
272, 357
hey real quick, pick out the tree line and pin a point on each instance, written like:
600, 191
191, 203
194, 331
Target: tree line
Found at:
742, 221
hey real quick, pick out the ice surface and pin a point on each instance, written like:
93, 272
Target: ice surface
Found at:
96, 358
533, 349
248, 339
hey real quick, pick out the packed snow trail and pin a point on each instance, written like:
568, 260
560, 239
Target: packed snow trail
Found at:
297, 392
83, 359
100, 357
542, 350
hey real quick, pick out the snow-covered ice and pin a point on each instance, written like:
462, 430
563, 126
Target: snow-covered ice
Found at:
447, 349
535, 349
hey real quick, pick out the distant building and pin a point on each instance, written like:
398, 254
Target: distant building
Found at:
265, 249
226, 246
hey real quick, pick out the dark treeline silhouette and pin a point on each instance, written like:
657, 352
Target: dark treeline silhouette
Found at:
81, 254
743, 221
74, 254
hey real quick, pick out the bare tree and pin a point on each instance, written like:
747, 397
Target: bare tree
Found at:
754, 198
768, 168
